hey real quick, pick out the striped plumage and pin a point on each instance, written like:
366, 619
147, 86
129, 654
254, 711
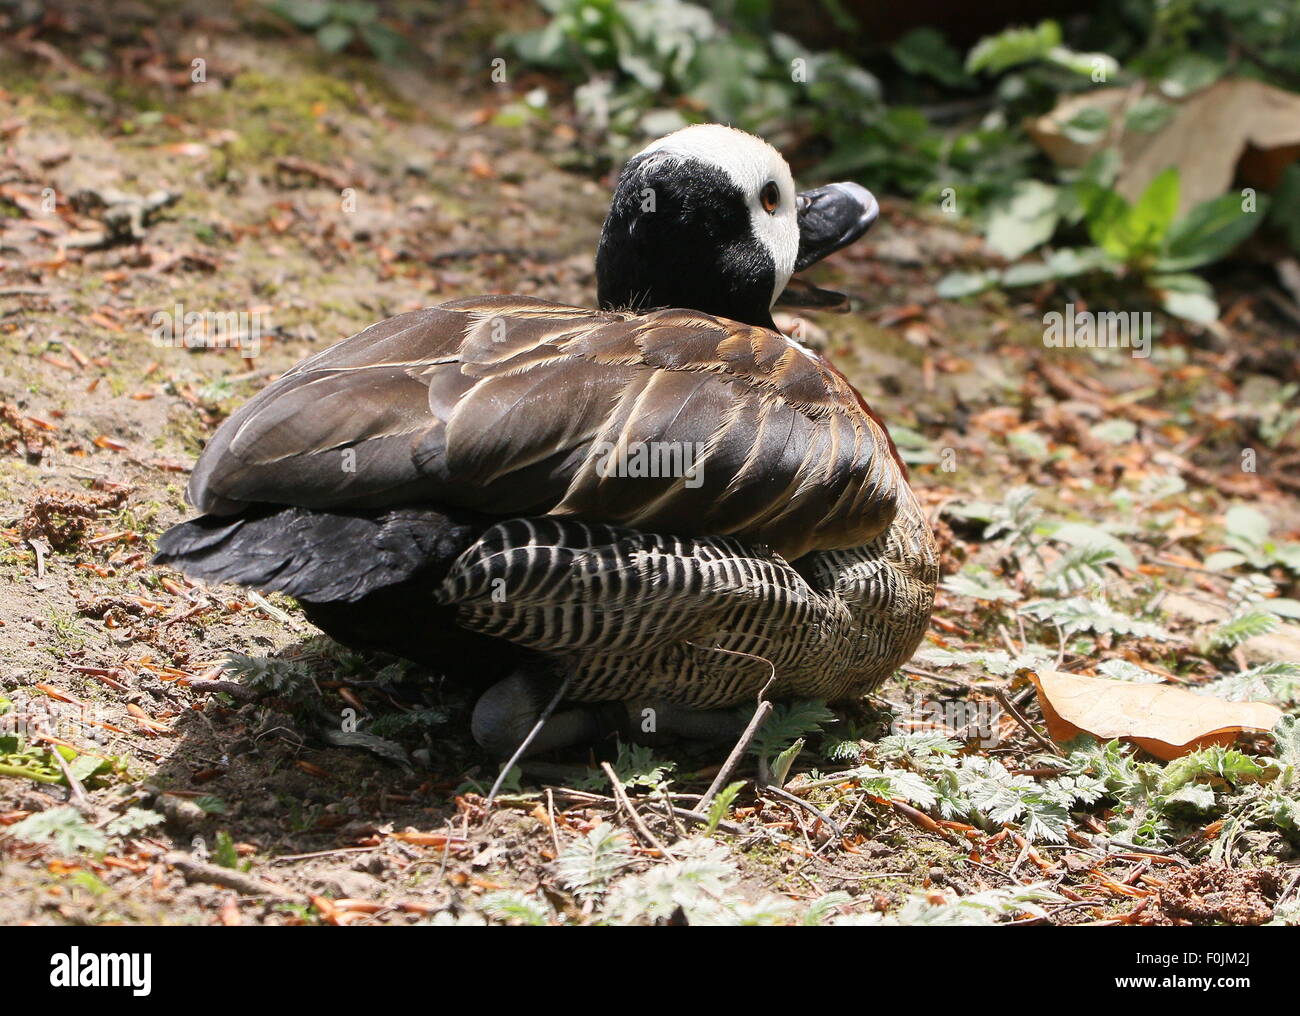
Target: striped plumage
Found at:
704, 622
665, 500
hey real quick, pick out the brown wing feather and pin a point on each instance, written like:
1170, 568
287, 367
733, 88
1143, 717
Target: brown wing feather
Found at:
508, 405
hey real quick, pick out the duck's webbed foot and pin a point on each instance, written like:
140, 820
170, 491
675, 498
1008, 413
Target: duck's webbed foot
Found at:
653, 723
506, 713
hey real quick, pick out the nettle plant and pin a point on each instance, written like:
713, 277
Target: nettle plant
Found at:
647, 66
1256, 609
1249, 541
338, 24
1143, 243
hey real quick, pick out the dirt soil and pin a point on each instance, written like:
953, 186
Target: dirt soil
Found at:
323, 194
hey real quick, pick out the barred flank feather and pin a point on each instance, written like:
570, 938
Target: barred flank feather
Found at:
703, 622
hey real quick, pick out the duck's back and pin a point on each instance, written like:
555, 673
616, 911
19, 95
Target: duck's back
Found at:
671, 422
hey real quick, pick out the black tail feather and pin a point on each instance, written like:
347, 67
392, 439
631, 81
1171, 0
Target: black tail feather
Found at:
366, 580
318, 556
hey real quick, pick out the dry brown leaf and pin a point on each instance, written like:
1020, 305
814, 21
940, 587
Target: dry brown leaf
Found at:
1205, 138
1166, 721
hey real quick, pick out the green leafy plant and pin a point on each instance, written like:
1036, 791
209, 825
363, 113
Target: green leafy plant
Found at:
785, 729
1015, 47
588, 863
980, 584
513, 907
224, 852
64, 827
721, 805
1277, 681
976, 909
1144, 241
1248, 535
1080, 569
337, 24
702, 882
134, 820
637, 766
649, 66
1078, 614
20, 759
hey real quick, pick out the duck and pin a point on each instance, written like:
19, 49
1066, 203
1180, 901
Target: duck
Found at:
662, 507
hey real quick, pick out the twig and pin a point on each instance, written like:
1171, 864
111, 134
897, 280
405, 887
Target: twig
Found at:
760, 716
1019, 717
271, 610
1104, 843
234, 689
75, 790
834, 779
1006, 640
550, 815
324, 174
672, 818
686, 813
620, 795
532, 736
248, 885
930, 675
789, 798
283, 858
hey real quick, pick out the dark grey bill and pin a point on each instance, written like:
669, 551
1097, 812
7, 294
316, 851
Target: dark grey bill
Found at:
830, 218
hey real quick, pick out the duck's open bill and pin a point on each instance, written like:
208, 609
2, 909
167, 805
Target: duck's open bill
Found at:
830, 218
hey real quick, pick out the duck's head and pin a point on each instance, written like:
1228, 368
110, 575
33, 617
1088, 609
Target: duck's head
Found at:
708, 218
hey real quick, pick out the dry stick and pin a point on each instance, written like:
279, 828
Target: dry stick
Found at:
1006, 640
678, 831
686, 813
75, 790
243, 883
820, 815
620, 796
1019, 717
746, 738
286, 858
532, 736
760, 716
1105, 843
930, 675
816, 854
550, 815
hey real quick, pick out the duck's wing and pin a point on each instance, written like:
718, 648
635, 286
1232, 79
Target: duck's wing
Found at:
672, 422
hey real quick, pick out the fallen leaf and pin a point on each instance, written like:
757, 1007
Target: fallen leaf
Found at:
1206, 136
1166, 721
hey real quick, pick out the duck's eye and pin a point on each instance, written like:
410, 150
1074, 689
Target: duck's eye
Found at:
770, 195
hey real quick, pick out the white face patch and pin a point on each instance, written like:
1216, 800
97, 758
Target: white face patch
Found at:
751, 163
